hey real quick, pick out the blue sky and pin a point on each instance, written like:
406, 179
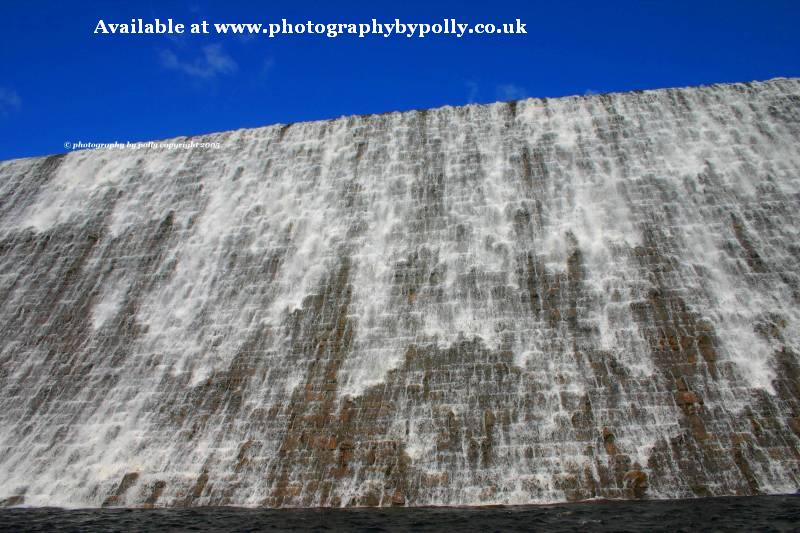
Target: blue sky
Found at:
60, 82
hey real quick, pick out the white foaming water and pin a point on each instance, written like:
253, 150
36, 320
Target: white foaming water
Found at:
511, 303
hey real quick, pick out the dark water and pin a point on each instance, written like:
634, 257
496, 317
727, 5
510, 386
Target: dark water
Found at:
760, 513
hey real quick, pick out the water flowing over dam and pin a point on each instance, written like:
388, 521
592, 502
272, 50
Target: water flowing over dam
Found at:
528, 302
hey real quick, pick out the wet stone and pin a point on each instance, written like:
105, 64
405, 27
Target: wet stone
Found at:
544, 301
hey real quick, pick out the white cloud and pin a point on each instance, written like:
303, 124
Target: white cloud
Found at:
9, 101
213, 62
472, 87
509, 91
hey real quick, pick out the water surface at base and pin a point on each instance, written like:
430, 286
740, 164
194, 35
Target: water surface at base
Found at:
761, 513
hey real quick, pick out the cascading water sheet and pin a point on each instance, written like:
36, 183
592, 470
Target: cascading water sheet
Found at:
526, 302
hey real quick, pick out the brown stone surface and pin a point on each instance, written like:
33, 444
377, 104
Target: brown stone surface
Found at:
553, 300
